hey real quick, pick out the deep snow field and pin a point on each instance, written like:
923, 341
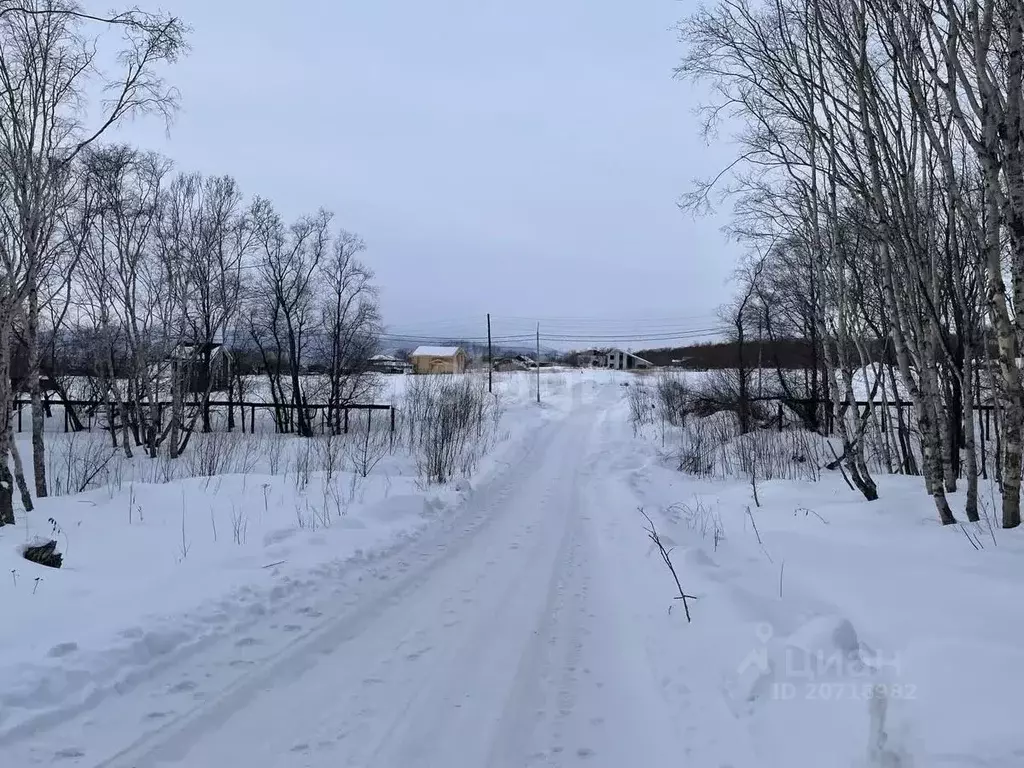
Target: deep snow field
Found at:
516, 616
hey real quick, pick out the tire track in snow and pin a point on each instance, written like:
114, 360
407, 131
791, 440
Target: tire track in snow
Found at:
353, 691
222, 677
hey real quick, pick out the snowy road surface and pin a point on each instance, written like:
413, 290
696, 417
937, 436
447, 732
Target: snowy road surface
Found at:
498, 638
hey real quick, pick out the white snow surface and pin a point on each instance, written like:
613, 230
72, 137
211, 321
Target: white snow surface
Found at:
517, 617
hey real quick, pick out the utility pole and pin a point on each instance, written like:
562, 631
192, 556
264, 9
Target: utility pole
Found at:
537, 363
490, 358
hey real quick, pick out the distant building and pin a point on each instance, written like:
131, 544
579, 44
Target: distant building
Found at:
618, 360
389, 364
202, 366
438, 360
592, 358
517, 363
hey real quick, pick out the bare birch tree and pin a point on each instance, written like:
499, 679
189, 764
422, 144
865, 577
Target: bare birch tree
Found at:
48, 63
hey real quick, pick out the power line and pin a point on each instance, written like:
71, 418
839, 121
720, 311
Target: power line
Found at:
666, 319
559, 337
689, 334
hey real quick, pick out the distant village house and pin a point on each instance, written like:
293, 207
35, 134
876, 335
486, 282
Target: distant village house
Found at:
438, 360
615, 359
203, 366
517, 363
389, 364
626, 361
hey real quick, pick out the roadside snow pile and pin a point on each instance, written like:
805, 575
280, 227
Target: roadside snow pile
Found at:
835, 632
154, 570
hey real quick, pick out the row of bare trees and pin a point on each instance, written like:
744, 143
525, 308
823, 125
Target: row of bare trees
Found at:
880, 189
144, 271
169, 267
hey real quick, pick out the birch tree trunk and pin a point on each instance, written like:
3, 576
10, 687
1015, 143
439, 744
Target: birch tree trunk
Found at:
35, 393
6, 400
19, 477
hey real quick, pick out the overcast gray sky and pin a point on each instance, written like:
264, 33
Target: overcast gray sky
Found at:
521, 157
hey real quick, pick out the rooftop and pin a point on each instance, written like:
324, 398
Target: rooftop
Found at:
435, 352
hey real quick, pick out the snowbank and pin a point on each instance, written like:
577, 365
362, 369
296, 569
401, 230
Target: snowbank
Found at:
828, 631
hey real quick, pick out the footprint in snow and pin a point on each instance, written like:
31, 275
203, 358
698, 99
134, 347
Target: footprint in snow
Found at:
68, 753
158, 715
300, 748
292, 628
183, 687
246, 642
584, 752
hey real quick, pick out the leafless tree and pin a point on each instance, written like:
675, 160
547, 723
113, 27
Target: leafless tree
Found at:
48, 65
880, 143
350, 325
215, 238
283, 308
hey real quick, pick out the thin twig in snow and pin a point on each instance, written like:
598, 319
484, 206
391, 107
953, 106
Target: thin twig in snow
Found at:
839, 466
652, 534
758, 534
975, 542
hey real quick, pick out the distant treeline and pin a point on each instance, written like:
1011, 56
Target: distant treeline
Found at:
787, 354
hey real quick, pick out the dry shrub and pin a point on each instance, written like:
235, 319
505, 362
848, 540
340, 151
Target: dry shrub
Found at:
209, 454
448, 421
713, 447
719, 392
699, 518
642, 408
674, 399
79, 461
369, 441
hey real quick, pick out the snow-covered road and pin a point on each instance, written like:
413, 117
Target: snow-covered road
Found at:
499, 637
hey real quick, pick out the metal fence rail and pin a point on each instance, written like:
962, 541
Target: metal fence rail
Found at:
93, 408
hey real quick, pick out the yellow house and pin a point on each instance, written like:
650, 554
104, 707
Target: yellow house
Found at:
438, 360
